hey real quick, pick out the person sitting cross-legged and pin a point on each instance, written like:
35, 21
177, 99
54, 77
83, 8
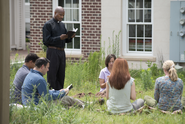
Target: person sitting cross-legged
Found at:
169, 89
35, 87
120, 88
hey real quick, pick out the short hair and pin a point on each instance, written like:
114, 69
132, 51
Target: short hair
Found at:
31, 57
107, 60
41, 61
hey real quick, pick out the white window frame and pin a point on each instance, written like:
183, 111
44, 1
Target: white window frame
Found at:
67, 50
125, 32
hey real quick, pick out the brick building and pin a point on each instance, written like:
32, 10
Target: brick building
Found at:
83, 14
144, 28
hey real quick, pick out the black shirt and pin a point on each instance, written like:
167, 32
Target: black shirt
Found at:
51, 33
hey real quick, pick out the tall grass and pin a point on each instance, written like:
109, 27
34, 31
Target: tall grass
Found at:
84, 77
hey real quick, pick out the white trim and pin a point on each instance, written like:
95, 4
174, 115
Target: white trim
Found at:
27, 4
54, 5
125, 32
67, 50
17, 23
27, 20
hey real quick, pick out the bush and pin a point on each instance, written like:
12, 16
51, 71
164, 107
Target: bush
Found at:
147, 79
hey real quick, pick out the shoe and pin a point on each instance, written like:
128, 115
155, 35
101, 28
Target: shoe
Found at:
101, 101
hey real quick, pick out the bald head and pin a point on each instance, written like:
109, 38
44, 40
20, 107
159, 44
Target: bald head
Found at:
59, 13
59, 9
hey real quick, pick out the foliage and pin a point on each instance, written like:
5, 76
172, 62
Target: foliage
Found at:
44, 48
114, 44
27, 40
147, 79
153, 67
84, 77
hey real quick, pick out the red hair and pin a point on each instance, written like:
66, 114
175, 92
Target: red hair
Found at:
119, 74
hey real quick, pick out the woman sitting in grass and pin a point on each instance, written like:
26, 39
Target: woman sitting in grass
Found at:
109, 61
169, 88
121, 88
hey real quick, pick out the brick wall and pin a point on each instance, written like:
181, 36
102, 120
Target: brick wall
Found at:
91, 26
41, 11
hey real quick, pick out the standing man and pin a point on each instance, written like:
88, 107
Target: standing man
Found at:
54, 37
20, 76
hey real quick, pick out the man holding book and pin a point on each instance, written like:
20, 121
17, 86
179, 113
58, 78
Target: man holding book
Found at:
54, 37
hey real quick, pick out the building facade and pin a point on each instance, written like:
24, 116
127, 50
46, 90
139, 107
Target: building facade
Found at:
144, 25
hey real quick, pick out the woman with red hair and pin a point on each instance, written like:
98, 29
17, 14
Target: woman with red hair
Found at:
121, 88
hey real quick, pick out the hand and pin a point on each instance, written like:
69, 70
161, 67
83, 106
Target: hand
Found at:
73, 35
67, 91
63, 36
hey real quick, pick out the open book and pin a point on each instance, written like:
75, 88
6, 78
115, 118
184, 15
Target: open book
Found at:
70, 33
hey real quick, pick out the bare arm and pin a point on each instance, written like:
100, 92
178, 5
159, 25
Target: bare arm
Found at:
107, 91
102, 83
133, 92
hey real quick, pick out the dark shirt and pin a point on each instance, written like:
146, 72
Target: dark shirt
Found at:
18, 81
51, 33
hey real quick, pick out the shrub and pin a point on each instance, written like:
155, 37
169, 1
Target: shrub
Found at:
147, 79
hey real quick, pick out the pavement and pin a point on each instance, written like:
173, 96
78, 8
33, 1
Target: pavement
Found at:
21, 54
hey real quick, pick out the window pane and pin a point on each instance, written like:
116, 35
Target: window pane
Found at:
61, 3
68, 15
139, 15
76, 3
148, 30
131, 15
139, 30
147, 15
147, 3
139, 44
132, 30
77, 43
131, 4
148, 44
75, 15
69, 26
68, 3
132, 43
70, 45
77, 26
139, 4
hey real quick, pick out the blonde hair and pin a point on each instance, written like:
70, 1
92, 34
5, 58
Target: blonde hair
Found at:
169, 66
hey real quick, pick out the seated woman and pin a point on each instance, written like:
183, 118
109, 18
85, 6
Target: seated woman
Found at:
169, 89
106, 71
120, 88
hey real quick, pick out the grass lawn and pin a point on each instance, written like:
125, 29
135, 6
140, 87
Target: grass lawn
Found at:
85, 80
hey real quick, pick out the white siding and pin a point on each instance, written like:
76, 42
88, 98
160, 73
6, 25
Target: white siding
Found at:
17, 24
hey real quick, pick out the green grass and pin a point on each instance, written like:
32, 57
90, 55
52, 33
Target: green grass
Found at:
51, 113
84, 77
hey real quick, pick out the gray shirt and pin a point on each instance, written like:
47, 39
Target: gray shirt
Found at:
18, 81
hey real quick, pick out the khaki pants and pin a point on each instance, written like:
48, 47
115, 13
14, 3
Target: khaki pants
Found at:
70, 101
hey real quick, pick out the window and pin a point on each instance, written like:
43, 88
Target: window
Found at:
138, 26
27, 1
72, 19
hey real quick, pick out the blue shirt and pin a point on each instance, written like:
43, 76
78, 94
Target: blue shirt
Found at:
168, 93
35, 86
18, 81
